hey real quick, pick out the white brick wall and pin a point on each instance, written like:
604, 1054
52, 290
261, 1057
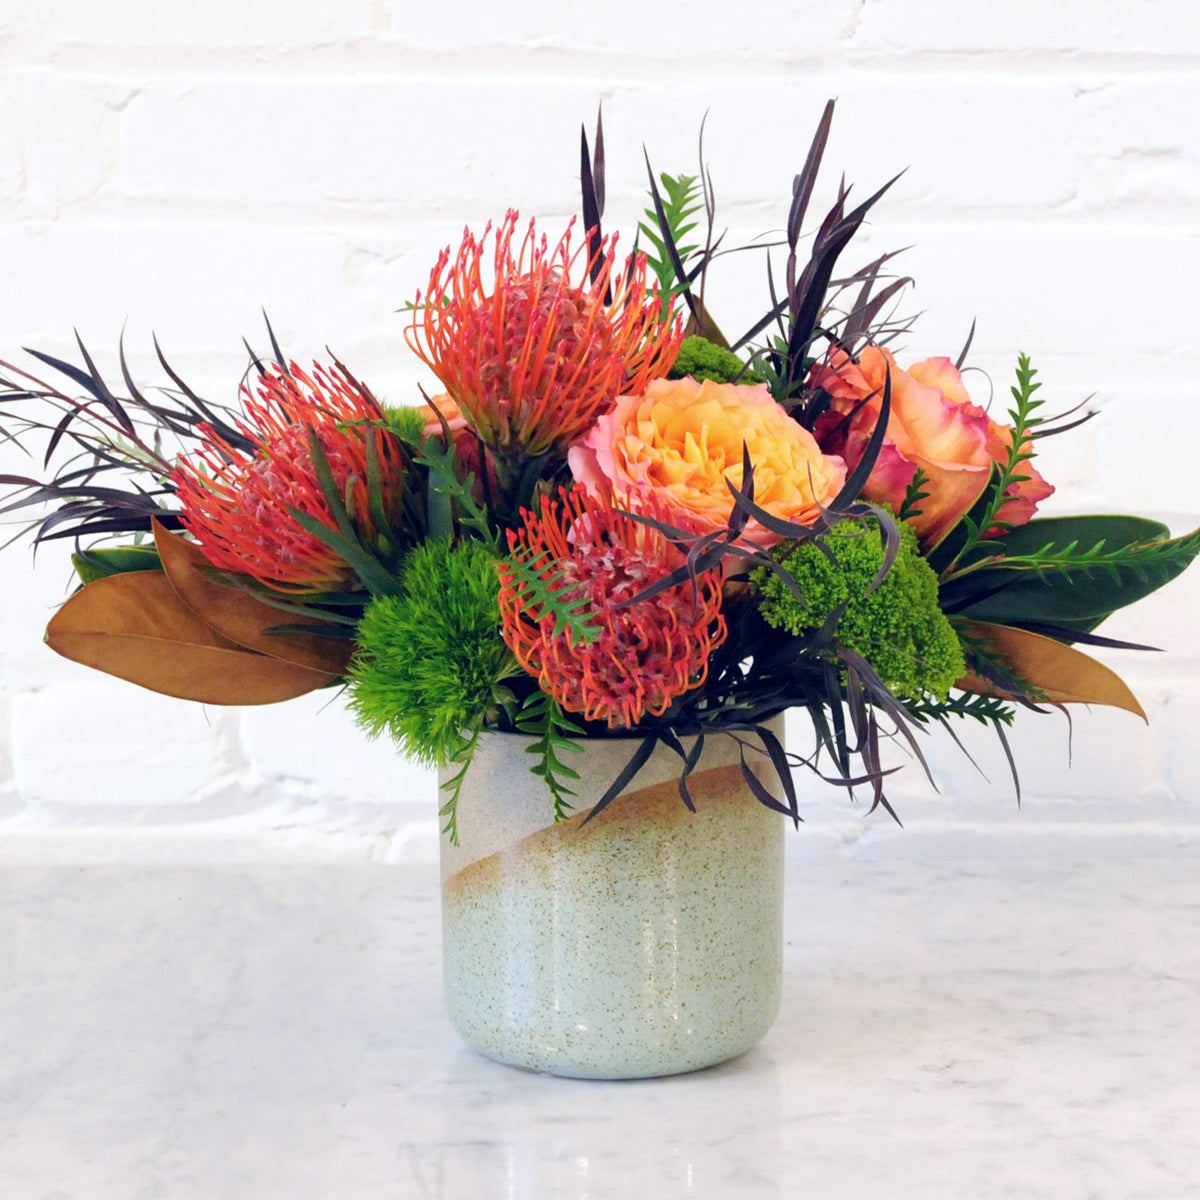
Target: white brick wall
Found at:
178, 166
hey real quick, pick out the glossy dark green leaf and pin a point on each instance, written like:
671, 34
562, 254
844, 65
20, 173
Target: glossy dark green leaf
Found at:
1086, 532
1094, 566
91, 565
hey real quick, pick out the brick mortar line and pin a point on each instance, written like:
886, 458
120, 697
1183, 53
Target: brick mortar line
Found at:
397, 62
327, 218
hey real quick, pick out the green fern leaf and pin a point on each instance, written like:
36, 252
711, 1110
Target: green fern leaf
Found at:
539, 584
543, 719
682, 199
968, 540
1072, 571
454, 785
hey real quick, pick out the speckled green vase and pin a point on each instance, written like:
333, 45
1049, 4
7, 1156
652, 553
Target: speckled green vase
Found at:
646, 942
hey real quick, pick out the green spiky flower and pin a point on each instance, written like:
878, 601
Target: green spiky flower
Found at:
898, 628
431, 662
407, 421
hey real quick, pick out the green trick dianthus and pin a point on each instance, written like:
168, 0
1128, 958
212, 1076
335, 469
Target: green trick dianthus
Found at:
431, 660
899, 628
408, 422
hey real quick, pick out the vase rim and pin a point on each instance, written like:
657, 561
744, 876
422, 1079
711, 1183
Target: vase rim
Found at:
635, 735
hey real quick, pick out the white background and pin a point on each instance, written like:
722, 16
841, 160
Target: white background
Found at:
175, 168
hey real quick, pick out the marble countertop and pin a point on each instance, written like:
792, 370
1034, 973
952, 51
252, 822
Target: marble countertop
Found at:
977, 1029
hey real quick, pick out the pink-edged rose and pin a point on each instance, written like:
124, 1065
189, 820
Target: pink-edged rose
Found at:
934, 426
667, 454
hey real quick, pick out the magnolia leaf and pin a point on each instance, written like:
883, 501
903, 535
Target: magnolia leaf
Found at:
1078, 571
136, 627
1060, 674
240, 617
1112, 529
701, 324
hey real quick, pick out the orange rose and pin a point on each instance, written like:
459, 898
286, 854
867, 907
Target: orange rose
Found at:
668, 452
933, 426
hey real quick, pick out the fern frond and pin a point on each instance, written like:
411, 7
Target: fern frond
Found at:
984, 709
1140, 560
1006, 473
539, 582
461, 507
1073, 572
543, 719
913, 495
682, 199
454, 786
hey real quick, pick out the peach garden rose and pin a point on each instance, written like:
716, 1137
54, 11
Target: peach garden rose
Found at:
934, 426
667, 453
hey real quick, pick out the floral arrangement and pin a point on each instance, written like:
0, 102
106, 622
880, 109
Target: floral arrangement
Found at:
606, 518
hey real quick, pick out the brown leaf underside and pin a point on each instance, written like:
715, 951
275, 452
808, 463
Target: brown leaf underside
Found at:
239, 616
136, 627
1061, 673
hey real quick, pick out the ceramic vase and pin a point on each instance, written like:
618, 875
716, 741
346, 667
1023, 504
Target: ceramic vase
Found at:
645, 941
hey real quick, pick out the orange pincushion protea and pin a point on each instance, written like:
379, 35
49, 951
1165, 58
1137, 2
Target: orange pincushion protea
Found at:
647, 653
240, 505
535, 360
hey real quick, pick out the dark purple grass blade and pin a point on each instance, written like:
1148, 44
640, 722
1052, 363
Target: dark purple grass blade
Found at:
1062, 633
882, 698
221, 427
672, 742
255, 360
889, 534
810, 296
598, 163
664, 227
1008, 754
280, 359
134, 393
131, 523
760, 793
802, 185
875, 764
59, 430
107, 398
592, 205
787, 529
1043, 432
637, 761
863, 316
72, 372
962, 354
857, 479
779, 760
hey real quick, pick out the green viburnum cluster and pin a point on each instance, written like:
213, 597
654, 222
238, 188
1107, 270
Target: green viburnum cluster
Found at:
430, 663
702, 359
898, 628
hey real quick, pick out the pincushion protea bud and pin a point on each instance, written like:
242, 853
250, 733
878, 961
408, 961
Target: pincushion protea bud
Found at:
536, 353
646, 653
242, 506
